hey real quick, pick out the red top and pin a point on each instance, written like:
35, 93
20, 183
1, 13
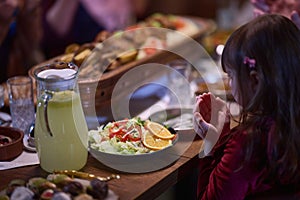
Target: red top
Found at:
222, 176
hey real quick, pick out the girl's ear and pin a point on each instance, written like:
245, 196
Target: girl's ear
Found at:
254, 80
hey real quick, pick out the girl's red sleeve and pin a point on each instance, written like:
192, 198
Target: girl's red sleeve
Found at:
221, 175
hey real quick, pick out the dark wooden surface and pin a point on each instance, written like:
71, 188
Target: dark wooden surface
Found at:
130, 186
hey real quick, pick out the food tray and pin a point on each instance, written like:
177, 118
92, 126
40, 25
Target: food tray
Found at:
38, 190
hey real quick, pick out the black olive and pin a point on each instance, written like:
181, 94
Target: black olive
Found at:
74, 188
98, 189
5, 140
172, 130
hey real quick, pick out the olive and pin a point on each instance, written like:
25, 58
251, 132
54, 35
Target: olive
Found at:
36, 182
97, 189
74, 188
172, 130
60, 180
47, 194
46, 185
13, 184
22, 193
39, 184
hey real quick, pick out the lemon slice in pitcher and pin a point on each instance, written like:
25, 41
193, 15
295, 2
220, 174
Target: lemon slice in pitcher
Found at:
61, 96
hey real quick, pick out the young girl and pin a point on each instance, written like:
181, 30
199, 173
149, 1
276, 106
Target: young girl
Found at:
261, 156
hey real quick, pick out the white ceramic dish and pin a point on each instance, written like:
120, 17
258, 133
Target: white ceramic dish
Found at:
26, 144
140, 163
177, 118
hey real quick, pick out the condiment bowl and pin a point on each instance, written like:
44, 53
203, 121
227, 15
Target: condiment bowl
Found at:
14, 145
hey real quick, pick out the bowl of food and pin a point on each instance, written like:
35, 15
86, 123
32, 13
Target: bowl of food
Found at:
134, 146
11, 143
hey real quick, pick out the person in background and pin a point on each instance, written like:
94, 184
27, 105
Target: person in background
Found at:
20, 37
79, 21
288, 8
259, 158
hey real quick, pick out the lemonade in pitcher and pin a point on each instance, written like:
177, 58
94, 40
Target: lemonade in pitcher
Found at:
61, 132
67, 147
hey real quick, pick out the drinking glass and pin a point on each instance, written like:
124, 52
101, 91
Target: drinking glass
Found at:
179, 83
21, 104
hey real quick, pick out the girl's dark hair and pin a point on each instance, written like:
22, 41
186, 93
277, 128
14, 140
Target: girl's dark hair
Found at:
274, 42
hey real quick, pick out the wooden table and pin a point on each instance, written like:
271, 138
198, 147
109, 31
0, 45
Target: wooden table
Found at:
130, 186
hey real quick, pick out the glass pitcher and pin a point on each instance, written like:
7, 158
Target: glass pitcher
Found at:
61, 133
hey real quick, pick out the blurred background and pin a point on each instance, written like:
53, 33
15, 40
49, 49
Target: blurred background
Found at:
37, 30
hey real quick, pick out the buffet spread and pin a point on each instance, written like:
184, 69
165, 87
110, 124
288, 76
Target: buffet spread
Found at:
105, 60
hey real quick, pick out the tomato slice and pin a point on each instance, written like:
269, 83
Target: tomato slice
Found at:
123, 133
124, 138
116, 130
132, 138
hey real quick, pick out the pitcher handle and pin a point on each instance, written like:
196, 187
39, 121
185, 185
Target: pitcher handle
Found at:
48, 96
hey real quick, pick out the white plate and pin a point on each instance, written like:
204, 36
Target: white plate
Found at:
139, 163
26, 145
177, 118
152, 89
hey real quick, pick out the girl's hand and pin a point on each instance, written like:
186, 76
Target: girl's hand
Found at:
203, 106
210, 115
207, 112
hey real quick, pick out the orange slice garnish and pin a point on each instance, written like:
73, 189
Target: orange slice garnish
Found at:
159, 130
152, 142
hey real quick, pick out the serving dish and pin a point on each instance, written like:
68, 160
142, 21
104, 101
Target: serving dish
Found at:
138, 163
134, 145
12, 146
